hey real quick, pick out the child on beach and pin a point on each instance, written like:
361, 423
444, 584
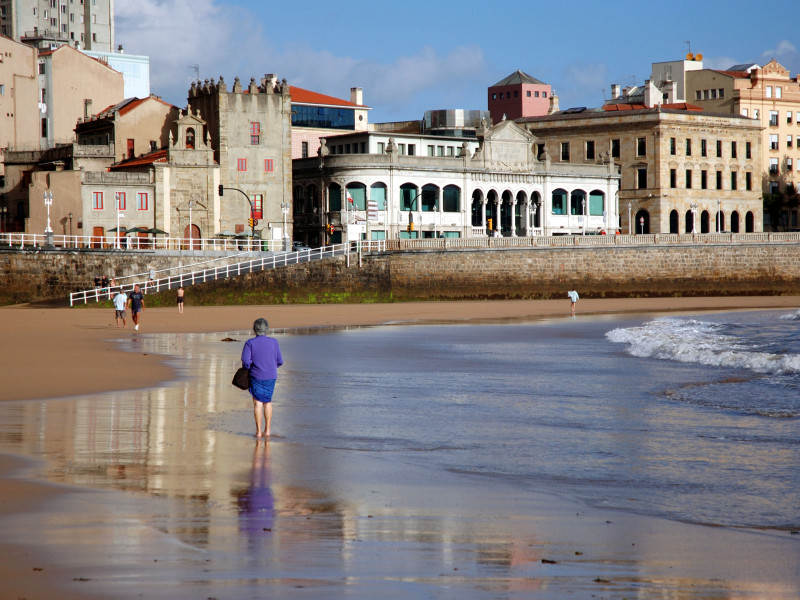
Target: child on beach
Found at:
573, 296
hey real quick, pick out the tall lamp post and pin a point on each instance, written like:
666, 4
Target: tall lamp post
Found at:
535, 208
119, 216
630, 206
693, 206
583, 210
48, 232
719, 213
285, 211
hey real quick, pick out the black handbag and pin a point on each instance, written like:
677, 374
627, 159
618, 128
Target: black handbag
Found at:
242, 378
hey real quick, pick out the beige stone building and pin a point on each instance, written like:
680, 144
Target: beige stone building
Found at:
172, 190
72, 85
768, 95
250, 133
682, 170
135, 126
19, 89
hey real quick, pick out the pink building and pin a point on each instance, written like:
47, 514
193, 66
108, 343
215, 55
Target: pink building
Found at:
518, 95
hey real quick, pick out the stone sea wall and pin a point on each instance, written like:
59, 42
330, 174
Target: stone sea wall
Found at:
707, 269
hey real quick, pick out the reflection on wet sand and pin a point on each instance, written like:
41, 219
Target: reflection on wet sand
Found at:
208, 509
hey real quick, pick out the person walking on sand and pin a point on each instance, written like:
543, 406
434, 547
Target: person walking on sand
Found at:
261, 355
573, 296
136, 304
180, 300
120, 300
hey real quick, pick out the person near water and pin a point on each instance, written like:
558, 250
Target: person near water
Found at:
180, 297
573, 296
261, 355
120, 300
136, 304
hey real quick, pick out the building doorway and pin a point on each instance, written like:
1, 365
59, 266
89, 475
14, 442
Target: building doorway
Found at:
191, 237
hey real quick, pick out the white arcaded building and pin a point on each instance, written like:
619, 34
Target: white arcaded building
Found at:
499, 183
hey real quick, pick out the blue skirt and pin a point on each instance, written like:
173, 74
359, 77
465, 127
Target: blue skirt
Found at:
262, 389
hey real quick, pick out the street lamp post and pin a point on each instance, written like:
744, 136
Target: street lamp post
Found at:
583, 210
535, 208
693, 206
119, 215
630, 206
285, 211
48, 232
719, 213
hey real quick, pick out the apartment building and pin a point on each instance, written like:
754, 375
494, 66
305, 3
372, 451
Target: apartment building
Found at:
316, 116
49, 23
769, 96
682, 170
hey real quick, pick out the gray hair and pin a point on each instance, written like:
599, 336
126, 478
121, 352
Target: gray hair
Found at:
260, 327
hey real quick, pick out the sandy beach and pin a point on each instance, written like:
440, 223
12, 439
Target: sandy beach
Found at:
61, 353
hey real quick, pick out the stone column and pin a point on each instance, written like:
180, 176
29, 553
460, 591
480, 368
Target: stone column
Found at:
513, 207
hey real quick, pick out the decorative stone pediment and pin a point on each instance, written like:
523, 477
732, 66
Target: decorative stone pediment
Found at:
508, 146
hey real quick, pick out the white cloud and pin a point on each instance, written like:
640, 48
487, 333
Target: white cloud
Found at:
212, 37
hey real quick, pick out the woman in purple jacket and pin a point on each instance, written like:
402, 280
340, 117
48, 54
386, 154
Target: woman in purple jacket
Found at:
261, 355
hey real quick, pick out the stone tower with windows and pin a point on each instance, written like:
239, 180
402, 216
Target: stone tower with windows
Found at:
249, 131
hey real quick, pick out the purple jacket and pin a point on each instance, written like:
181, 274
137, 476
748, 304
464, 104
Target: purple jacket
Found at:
262, 356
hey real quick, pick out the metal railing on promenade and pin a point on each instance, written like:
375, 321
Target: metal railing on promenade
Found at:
66, 242
576, 241
280, 259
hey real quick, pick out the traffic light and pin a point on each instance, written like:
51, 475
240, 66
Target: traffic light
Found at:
489, 224
220, 189
250, 221
410, 227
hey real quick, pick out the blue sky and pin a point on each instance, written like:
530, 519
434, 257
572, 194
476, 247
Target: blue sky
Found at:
414, 56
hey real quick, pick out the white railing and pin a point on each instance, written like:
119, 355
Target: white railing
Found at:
280, 259
65, 242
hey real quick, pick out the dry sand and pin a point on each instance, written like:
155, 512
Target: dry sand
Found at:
54, 352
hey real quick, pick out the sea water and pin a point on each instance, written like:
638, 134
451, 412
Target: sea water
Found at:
693, 418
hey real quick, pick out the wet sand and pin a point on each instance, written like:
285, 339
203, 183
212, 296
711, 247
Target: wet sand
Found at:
57, 353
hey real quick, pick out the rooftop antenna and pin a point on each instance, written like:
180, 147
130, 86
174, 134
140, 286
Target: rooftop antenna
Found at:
196, 69
689, 46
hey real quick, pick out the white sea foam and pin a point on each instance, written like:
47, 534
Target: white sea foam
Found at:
700, 342
795, 316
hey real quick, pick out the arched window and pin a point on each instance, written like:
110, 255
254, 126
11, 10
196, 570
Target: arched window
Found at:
576, 202
190, 138
297, 200
536, 207
311, 198
749, 221
408, 197
430, 198
477, 208
377, 194
735, 221
559, 206
674, 221
642, 224
689, 221
335, 197
597, 203
357, 192
704, 222
451, 199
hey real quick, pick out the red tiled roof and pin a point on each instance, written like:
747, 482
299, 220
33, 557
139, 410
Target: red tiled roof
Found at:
146, 159
301, 96
735, 74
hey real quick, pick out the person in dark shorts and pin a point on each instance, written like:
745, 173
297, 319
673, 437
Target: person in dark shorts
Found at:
180, 298
261, 355
136, 304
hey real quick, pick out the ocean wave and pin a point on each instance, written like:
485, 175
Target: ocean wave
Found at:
700, 342
795, 316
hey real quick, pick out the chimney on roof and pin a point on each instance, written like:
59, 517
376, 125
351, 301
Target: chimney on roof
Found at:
614, 91
553, 103
87, 108
357, 96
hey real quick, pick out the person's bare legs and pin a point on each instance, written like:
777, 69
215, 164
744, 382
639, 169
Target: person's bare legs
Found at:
258, 413
268, 413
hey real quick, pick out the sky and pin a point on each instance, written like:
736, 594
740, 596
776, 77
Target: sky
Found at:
413, 56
